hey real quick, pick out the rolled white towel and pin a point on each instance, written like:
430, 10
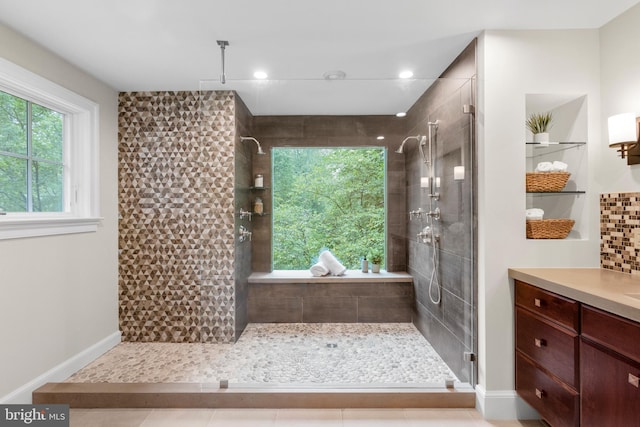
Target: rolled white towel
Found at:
319, 269
559, 166
544, 167
535, 213
332, 263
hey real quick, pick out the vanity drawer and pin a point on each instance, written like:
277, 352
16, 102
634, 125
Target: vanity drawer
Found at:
549, 345
549, 305
556, 403
619, 334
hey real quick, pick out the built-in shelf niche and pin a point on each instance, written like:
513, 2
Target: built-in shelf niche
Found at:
568, 136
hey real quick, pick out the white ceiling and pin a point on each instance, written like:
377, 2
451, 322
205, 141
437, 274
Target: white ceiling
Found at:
135, 45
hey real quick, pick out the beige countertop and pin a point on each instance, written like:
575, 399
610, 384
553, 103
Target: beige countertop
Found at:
615, 292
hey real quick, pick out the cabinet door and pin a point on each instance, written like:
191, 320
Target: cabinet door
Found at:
609, 388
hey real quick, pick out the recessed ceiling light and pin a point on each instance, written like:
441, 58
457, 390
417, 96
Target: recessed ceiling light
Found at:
260, 75
406, 74
401, 114
380, 137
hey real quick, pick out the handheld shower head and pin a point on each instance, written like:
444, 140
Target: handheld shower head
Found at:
250, 138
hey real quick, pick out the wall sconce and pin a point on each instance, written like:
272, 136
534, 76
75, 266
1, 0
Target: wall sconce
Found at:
623, 136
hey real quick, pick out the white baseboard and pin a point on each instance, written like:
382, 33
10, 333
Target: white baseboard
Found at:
63, 371
503, 405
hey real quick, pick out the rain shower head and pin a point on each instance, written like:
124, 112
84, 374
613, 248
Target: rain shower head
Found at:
250, 138
420, 138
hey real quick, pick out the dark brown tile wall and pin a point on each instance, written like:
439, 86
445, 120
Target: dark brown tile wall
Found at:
448, 325
334, 131
330, 303
176, 207
620, 232
244, 154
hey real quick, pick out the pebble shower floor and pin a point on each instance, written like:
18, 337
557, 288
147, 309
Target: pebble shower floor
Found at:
290, 354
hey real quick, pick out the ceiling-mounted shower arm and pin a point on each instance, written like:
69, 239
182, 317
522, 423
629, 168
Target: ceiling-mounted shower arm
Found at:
250, 138
223, 44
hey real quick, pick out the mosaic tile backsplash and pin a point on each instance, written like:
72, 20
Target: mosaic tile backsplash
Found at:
176, 207
620, 232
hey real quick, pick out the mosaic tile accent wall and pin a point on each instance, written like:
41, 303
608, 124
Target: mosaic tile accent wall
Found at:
620, 232
176, 207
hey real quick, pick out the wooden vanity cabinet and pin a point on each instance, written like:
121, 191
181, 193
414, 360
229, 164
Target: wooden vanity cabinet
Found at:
610, 369
547, 354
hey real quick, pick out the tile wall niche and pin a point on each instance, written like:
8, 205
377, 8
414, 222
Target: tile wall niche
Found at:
620, 232
176, 208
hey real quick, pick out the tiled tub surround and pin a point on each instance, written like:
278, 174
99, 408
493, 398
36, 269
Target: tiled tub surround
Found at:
356, 297
620, 232
298, 354
176, 207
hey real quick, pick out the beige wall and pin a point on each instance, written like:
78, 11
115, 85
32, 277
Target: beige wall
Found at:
59, 293
620, 77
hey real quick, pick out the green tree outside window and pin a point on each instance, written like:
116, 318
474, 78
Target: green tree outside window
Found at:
327, 198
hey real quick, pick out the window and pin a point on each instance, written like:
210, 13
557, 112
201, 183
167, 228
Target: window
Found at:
330, 198
31, 156
48, 157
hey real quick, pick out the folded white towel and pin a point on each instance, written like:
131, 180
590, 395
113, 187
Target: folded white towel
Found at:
559, 166
319, 269
535, 213
330, 261
556, 166
544, 167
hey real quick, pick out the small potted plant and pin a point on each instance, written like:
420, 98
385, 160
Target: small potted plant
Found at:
539, 124
376, 260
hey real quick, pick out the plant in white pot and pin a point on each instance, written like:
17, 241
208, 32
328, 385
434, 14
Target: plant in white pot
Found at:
376, 260
539, 124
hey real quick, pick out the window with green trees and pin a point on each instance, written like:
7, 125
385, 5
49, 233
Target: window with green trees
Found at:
330, 198
31, 156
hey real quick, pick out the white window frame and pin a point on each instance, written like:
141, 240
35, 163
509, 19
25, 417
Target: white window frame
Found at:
81, 150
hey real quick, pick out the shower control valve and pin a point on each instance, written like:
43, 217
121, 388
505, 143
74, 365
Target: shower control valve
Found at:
245, 214
435, 214
427, 235
244, 234
416, 214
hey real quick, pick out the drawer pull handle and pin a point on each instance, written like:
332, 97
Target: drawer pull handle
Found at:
540, 393
540, 342
537, 302
634, 381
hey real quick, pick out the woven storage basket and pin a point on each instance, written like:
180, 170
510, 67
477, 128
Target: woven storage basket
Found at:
545, 182
549, 228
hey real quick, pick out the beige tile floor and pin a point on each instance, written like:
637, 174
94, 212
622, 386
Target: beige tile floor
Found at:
287, 418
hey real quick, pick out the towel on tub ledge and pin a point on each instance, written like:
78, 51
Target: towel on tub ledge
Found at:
319, 269
330, 261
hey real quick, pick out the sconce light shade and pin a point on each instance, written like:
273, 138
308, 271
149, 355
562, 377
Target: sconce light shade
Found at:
623, 132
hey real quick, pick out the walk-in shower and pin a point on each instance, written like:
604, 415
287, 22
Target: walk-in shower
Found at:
192, 252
